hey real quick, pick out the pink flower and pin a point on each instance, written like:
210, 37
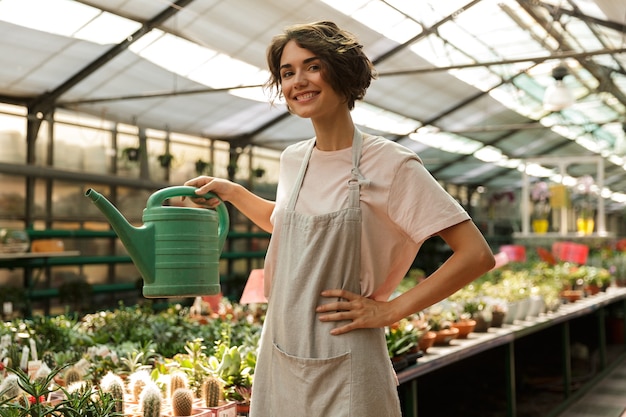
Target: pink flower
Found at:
540, 191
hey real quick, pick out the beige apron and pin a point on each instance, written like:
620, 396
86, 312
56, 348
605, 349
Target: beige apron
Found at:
303, 370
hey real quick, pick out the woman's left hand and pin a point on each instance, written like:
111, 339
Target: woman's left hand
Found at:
362, 312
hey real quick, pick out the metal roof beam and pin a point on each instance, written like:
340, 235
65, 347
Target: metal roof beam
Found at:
45, 102
557, 11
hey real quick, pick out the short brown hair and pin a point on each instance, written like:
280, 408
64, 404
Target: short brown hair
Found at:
344, 65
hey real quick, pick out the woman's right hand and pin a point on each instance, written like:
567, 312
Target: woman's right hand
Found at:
256, 208
204, 184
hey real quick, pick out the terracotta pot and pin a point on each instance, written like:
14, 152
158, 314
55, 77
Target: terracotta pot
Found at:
195, 412
445, 336
465, 327
572, 295
426, 341
243, 409
592, 289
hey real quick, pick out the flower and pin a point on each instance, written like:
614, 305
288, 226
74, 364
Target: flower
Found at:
540, 192
34, 400
583, 191
540, 196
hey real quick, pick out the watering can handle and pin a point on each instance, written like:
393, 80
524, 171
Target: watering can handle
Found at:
156, 200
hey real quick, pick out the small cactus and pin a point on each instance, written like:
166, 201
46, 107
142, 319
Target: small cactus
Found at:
182, 402
138, 381
114, 385
10, 387
49, 359
211, 392
42, 373
71, 376
151, 400
178, 379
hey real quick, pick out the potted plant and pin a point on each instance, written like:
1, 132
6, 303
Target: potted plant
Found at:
540, 196
258, 172
232, 169
584, 206
402, 339
202, 167
596, 279
165, 160
440, 318
131, 153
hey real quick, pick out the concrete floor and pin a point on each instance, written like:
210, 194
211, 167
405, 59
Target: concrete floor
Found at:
606, 399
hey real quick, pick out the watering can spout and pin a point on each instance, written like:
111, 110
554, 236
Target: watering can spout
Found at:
138, 241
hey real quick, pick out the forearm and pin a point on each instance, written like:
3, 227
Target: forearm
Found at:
255, 208
438, 286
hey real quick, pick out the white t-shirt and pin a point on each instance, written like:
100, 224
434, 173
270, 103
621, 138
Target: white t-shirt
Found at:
401, 207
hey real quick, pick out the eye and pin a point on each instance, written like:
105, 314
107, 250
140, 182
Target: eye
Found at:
286, 74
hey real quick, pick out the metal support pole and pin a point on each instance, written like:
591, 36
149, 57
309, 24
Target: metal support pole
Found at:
567, 363
525, 203
601, 316
509, 366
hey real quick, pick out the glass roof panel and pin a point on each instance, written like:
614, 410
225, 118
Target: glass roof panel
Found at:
445, 141
491, 26
222, 71
383, 19
107, 28
584, 37
479, 77
462, 40
346, 7
146, 40
612, 38
489, 154
176, 54
61, 17
365, 114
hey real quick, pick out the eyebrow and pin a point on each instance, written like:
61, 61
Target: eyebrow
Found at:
306, 61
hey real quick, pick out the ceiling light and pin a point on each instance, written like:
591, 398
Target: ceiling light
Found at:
557, 96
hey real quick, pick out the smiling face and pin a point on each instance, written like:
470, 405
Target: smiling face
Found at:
306, 91
340, 56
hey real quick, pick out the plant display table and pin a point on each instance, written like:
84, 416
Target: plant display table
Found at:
502, 343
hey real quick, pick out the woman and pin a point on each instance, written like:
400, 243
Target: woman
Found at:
351, 212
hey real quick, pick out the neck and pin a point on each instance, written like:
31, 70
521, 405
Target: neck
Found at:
336, 134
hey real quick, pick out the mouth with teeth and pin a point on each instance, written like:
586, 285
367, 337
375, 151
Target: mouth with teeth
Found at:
305, 96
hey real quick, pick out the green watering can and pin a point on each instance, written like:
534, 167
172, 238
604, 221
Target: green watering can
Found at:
177, 249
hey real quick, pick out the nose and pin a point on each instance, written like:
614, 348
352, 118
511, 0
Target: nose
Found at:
300, 79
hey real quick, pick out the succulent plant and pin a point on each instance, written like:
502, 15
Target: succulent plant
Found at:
49, 359
42, 373
182, 402
114, 385
138, 381
72, 375
10, 387
151, 400
178, 379
211, 391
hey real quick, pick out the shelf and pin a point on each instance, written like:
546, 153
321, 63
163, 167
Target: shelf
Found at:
439, 357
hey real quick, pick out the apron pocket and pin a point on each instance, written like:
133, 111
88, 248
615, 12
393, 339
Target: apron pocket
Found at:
310, 386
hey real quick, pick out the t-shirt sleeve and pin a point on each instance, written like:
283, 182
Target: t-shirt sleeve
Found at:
419, 205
